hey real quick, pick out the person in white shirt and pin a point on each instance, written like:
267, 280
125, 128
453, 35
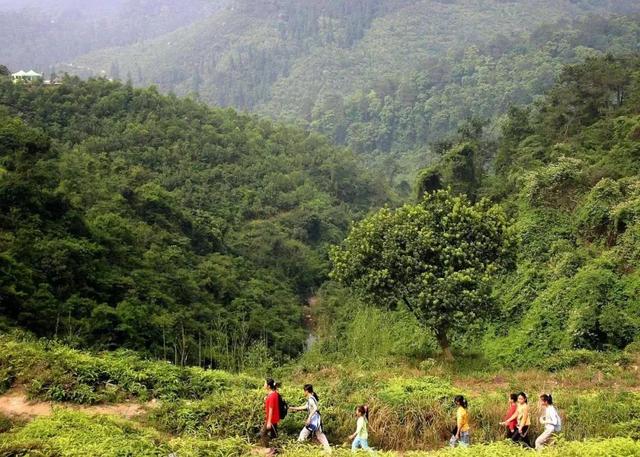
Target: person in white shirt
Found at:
550, 419
313, 424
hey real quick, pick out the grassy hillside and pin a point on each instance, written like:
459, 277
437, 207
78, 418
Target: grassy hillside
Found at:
382, 76
132, 219
204, 412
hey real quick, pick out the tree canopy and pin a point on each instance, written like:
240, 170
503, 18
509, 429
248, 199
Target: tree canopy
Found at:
145, 221
437, 257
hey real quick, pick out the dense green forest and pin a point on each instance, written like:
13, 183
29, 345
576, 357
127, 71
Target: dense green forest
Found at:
133, 219
138, 228
379, 76
193, 233
566, 170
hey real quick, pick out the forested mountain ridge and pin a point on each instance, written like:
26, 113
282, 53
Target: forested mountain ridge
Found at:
567, 170
382, 76
132, 219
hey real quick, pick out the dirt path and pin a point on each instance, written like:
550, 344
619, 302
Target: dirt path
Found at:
15, 404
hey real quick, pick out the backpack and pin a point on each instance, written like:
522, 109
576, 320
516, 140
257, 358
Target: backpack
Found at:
316, 419
283, 407
558, 427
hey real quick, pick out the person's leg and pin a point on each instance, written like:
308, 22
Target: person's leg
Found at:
524, 438
543, 439
322, 438
264, 436
465, 439
304, 434
453, 441
355, 444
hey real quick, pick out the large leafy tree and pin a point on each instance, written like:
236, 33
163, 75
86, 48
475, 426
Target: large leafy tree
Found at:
437, 257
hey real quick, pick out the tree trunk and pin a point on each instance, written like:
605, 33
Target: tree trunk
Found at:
443, 340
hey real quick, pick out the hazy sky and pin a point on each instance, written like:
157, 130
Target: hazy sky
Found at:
58, 6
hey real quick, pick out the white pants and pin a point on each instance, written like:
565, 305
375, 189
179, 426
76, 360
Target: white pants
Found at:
320, 436
545, 438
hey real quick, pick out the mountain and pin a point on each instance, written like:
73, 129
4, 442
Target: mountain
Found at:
133, 219
567, 170
380, 76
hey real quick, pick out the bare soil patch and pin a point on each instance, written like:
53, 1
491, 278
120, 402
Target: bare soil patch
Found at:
16, 404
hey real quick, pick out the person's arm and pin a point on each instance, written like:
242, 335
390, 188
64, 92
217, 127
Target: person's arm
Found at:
525, 417
269, 416
360, 424
513, 417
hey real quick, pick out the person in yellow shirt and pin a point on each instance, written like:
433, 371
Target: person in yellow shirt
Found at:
461, 434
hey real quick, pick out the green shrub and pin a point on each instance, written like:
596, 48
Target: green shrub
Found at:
230, 413
193, 447
604, 414
594, 216
556, 185
574, 357
399, 391
73, 434
58, 373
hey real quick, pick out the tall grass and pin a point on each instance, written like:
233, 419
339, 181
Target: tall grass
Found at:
411, 408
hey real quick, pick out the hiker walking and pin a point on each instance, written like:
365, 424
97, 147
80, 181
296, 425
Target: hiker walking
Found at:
360, 439
313, 424
550, 419
510, 419
269, 430
523, 421
460, 434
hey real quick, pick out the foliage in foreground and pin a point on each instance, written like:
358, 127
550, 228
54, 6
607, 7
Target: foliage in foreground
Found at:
73, 434
618, 447
410, 408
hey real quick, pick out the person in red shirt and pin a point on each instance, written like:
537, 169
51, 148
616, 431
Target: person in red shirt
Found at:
272, 413
510, 420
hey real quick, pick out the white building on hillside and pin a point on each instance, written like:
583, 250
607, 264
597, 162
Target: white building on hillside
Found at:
26, 77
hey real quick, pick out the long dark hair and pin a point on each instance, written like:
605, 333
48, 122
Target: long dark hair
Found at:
364, 411
271, 384
460, 400
309, 388
514, 397
547, 399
